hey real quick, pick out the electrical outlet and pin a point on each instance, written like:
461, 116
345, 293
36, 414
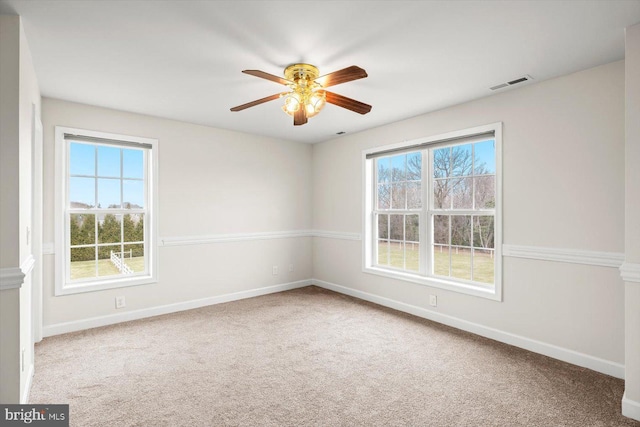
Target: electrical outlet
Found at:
433, 300
290, 267
275, 270
120, 302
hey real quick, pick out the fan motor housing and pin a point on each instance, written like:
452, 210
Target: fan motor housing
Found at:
296, 72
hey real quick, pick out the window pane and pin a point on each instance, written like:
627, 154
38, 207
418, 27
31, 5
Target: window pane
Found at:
132, 163
399, 168
461, 192
397, 227
82, 193
461, 160
82, 229
414, 166
108, 161
132, 194
412, 228
133, 257
109, 228
461, 230
107, 266
383, 252
483, 232
396, 250
384, 169
483, 265
441, 229
412, 253
133, 227
485, 157
383, 226
108, 193
83, 263
442, 162
412, 245
442, 194
414, 195
398, 195
441, 260
461, 263
485, 192
384, 196
82, 159
457, 207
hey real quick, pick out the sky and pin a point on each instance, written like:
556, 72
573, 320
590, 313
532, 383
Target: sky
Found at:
115, 166
484, 152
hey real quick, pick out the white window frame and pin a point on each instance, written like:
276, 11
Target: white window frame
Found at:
63, 284
369, 186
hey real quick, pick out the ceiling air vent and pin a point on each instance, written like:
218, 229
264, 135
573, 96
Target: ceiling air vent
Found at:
522, 79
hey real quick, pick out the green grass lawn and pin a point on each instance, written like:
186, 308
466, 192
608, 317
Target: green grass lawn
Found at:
461, 262
87, 269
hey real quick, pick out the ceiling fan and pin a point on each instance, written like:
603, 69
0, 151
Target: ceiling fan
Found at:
308, 94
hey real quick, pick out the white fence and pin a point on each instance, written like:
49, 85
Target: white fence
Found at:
120, 264
465, 250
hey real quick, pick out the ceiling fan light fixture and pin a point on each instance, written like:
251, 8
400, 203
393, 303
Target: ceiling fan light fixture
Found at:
315, 102
308, 95
305, 92
291, 103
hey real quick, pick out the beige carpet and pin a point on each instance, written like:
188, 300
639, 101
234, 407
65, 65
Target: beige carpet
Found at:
311, 357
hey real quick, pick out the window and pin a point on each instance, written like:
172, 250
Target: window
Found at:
105, 188
432, 211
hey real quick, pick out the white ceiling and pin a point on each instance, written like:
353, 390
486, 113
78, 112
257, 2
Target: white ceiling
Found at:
183, 59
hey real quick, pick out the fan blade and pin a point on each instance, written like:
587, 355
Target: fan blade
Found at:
300, 116
342, 76
348, 103
256, 102
268, 76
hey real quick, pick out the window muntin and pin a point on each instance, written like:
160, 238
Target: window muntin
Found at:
462, 211
397, 216
455, 212
106, 224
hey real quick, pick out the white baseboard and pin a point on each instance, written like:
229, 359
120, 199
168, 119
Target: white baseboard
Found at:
566, 355
630, 408
94, 322
570, 356
24, 399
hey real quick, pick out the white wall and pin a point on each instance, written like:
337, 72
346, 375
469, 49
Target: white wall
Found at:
9, 134
563, 187
211, 182
20, 99
631, 268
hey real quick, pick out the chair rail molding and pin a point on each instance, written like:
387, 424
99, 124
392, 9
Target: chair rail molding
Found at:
13, 277
630, 272
235, 237
572, 256
336, 235
267, 235
48, 248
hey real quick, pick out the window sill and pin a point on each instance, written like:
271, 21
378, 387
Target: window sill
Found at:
449, 285
101, 285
